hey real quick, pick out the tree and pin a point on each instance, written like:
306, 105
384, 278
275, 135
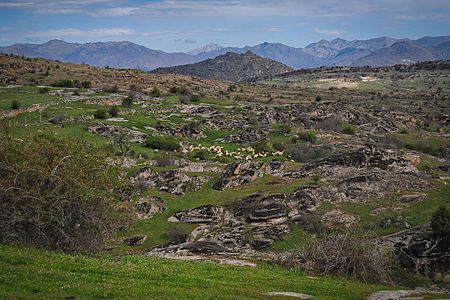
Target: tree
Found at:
440, 221
15, 104
114, 111
127, 102
58, 193
100, 114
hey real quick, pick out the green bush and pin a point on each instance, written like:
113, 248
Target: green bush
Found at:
15, 104
155, 92
57, 193
262, 146
283, 129
114, 111
162, 143
44, 90
279, 146
127, 102
100, 114
174, 89
68, 83
440, 221
195, 98
308, 137
200, 154
348, 129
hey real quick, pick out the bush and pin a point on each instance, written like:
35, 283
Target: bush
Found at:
86, 84
15, 104
164, 160
174, 89
127, 102
343, 255
279, 146
184, 99
310, 137
348, 129
330, 124
195, 98
44, 90
177, 234
306, 152
57, 193
262, 146
100, 114
155, 92
284, 129
200, 154
318, 98
65, 83
111, 89
440, 221
114, 111
162, 143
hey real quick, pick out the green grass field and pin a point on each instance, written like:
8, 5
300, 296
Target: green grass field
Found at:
36, 274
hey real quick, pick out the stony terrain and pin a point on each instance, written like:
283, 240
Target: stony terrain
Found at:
247, 171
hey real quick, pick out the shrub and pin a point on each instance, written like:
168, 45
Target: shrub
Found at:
176, 234
279, 146
57, 193
164, 160
306, 152
162, 143
44, 90
114, 111
100, 114
15, 104
200, 154
127, 102
155, 92
86, 84
174, 89
440, 221
64, 83
111, 89
284, 129
184, 99
343, 255
195, 98
310, 137
185, 91
318, 98
262, 146
348, 129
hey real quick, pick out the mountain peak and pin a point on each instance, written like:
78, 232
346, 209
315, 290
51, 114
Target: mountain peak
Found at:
205, 49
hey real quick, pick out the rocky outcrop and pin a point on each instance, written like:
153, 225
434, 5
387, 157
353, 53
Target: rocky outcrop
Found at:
113, 131
422, 251
237, 174
186, 131
171, 181
206, 214
135, 240
337, 218
247, 136
148, 206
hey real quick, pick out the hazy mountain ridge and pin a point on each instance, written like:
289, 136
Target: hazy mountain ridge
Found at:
231, 67
374, 52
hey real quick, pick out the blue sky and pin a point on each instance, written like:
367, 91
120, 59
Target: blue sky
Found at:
182, 25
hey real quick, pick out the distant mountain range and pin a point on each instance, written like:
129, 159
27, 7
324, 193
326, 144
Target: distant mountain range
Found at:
231, 67
338, 52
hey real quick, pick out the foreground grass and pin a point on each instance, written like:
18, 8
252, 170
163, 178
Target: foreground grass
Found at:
37, 274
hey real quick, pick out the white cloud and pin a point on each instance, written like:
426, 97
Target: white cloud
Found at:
70, 32
331, 32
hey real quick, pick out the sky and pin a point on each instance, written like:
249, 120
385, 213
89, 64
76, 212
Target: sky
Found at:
183, 25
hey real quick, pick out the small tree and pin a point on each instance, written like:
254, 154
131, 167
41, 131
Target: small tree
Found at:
440, 221
15, 104
127, 102
113, 111
100, 114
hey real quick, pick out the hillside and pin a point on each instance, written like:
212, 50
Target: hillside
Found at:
230, 67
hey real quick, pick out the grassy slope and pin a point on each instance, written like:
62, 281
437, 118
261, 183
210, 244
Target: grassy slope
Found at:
29, 273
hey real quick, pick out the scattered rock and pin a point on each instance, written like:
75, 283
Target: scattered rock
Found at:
289, 294
247, 136
412, 198
112, 131
237, 174
337, 218
171, 181
148, 206
204, 214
